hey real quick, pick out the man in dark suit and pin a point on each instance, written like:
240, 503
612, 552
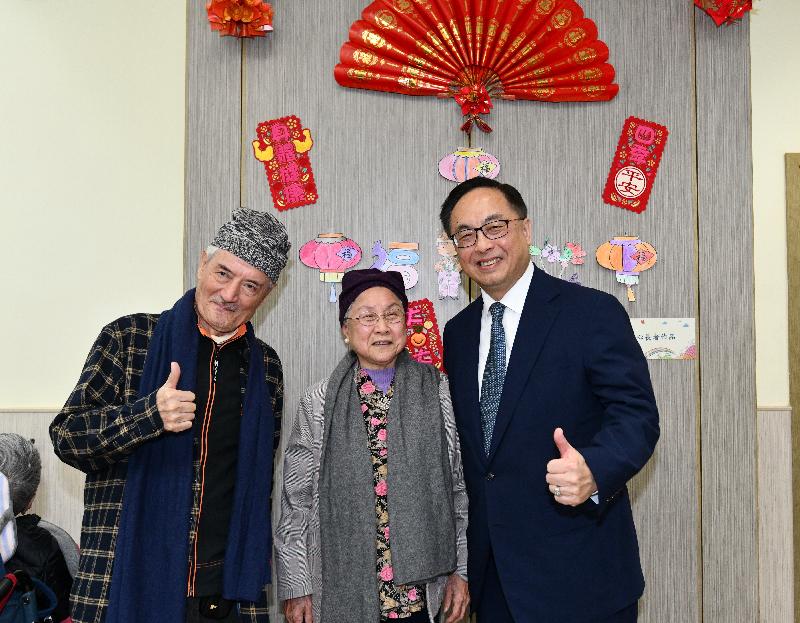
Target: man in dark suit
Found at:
555, 412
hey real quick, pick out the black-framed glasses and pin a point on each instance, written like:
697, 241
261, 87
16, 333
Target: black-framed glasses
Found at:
492, 230
370, 319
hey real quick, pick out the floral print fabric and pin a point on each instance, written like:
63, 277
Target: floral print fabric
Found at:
396, 602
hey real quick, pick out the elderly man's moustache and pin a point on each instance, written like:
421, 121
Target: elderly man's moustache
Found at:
228, 306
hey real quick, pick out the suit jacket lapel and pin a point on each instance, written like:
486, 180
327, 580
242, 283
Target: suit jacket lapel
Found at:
540, 310
472, 389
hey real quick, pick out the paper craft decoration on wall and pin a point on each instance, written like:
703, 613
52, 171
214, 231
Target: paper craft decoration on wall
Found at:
423, 339
542, 50
283, 145
725, 11
469, 162
332, 254
400, 257
448, 268
628, 256
633, 170
666, 338
571, 254
240, 18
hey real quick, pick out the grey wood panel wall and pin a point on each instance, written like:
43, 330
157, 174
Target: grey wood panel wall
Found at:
728, 411
374, 161
59, 498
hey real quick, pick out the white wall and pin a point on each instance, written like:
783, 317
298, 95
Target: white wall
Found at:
775, 66
91, 180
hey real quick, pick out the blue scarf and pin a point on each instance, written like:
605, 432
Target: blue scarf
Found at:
150, 572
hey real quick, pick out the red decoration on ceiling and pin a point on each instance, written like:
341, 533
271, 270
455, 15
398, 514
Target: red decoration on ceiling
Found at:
473, 51
633, 170
725, 11
423, 340
283, 145
240, 18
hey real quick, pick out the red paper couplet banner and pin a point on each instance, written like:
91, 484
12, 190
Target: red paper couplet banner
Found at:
633, 170
423, 339
283, 145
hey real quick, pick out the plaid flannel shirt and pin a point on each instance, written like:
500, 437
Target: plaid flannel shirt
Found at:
102, 423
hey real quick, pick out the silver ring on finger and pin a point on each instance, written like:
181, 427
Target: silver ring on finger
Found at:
557, 491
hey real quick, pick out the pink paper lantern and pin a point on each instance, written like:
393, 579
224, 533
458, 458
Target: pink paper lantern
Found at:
332, 254
466, 163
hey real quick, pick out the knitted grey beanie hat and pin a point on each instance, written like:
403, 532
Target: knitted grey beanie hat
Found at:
257, 238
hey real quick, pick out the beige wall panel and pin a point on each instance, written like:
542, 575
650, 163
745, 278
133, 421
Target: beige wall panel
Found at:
775, 560
728, 421
60, 495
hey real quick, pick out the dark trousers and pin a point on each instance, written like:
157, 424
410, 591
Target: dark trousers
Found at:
493, 607
194, 612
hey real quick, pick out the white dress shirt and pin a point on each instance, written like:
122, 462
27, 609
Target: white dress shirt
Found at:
514, 301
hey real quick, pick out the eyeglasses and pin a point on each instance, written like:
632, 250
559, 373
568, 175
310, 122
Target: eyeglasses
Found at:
370, 319
492, 230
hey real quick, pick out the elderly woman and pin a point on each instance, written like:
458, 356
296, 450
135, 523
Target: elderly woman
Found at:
37, 552
374, 508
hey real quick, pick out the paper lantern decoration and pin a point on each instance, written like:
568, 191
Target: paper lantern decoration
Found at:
469, 162
400, 257
423, 340
332, 254
628, 256
542, 50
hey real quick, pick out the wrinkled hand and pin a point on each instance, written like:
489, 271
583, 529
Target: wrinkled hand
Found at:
175, 407
455, 605
570, 473
298, 610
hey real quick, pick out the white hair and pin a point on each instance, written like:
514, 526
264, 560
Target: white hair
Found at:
210, 251
20, 462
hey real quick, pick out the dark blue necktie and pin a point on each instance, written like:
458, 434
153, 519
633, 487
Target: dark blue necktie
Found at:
494, 374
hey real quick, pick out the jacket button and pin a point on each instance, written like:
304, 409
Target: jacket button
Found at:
490, 476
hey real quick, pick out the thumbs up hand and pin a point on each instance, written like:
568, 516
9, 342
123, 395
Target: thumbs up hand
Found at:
569, 478
175, 407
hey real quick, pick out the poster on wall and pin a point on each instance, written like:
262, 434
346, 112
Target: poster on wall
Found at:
448, 268
282, 146
423, 340
633, 169
666, 338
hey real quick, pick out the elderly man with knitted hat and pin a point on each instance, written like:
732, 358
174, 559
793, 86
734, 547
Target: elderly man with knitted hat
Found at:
174, 420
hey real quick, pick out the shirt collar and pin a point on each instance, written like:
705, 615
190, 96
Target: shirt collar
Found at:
515, 297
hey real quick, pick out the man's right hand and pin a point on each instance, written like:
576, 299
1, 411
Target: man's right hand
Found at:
175, 407
298, 610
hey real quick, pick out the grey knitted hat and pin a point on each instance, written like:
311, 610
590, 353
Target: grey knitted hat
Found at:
257, 238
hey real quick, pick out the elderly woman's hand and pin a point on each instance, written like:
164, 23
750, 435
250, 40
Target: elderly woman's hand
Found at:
456, 599
298, 610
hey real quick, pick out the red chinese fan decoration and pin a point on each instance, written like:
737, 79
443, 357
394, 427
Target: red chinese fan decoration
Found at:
476, 50
725, 11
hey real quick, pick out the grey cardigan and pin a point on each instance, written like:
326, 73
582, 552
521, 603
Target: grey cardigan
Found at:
298, 561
